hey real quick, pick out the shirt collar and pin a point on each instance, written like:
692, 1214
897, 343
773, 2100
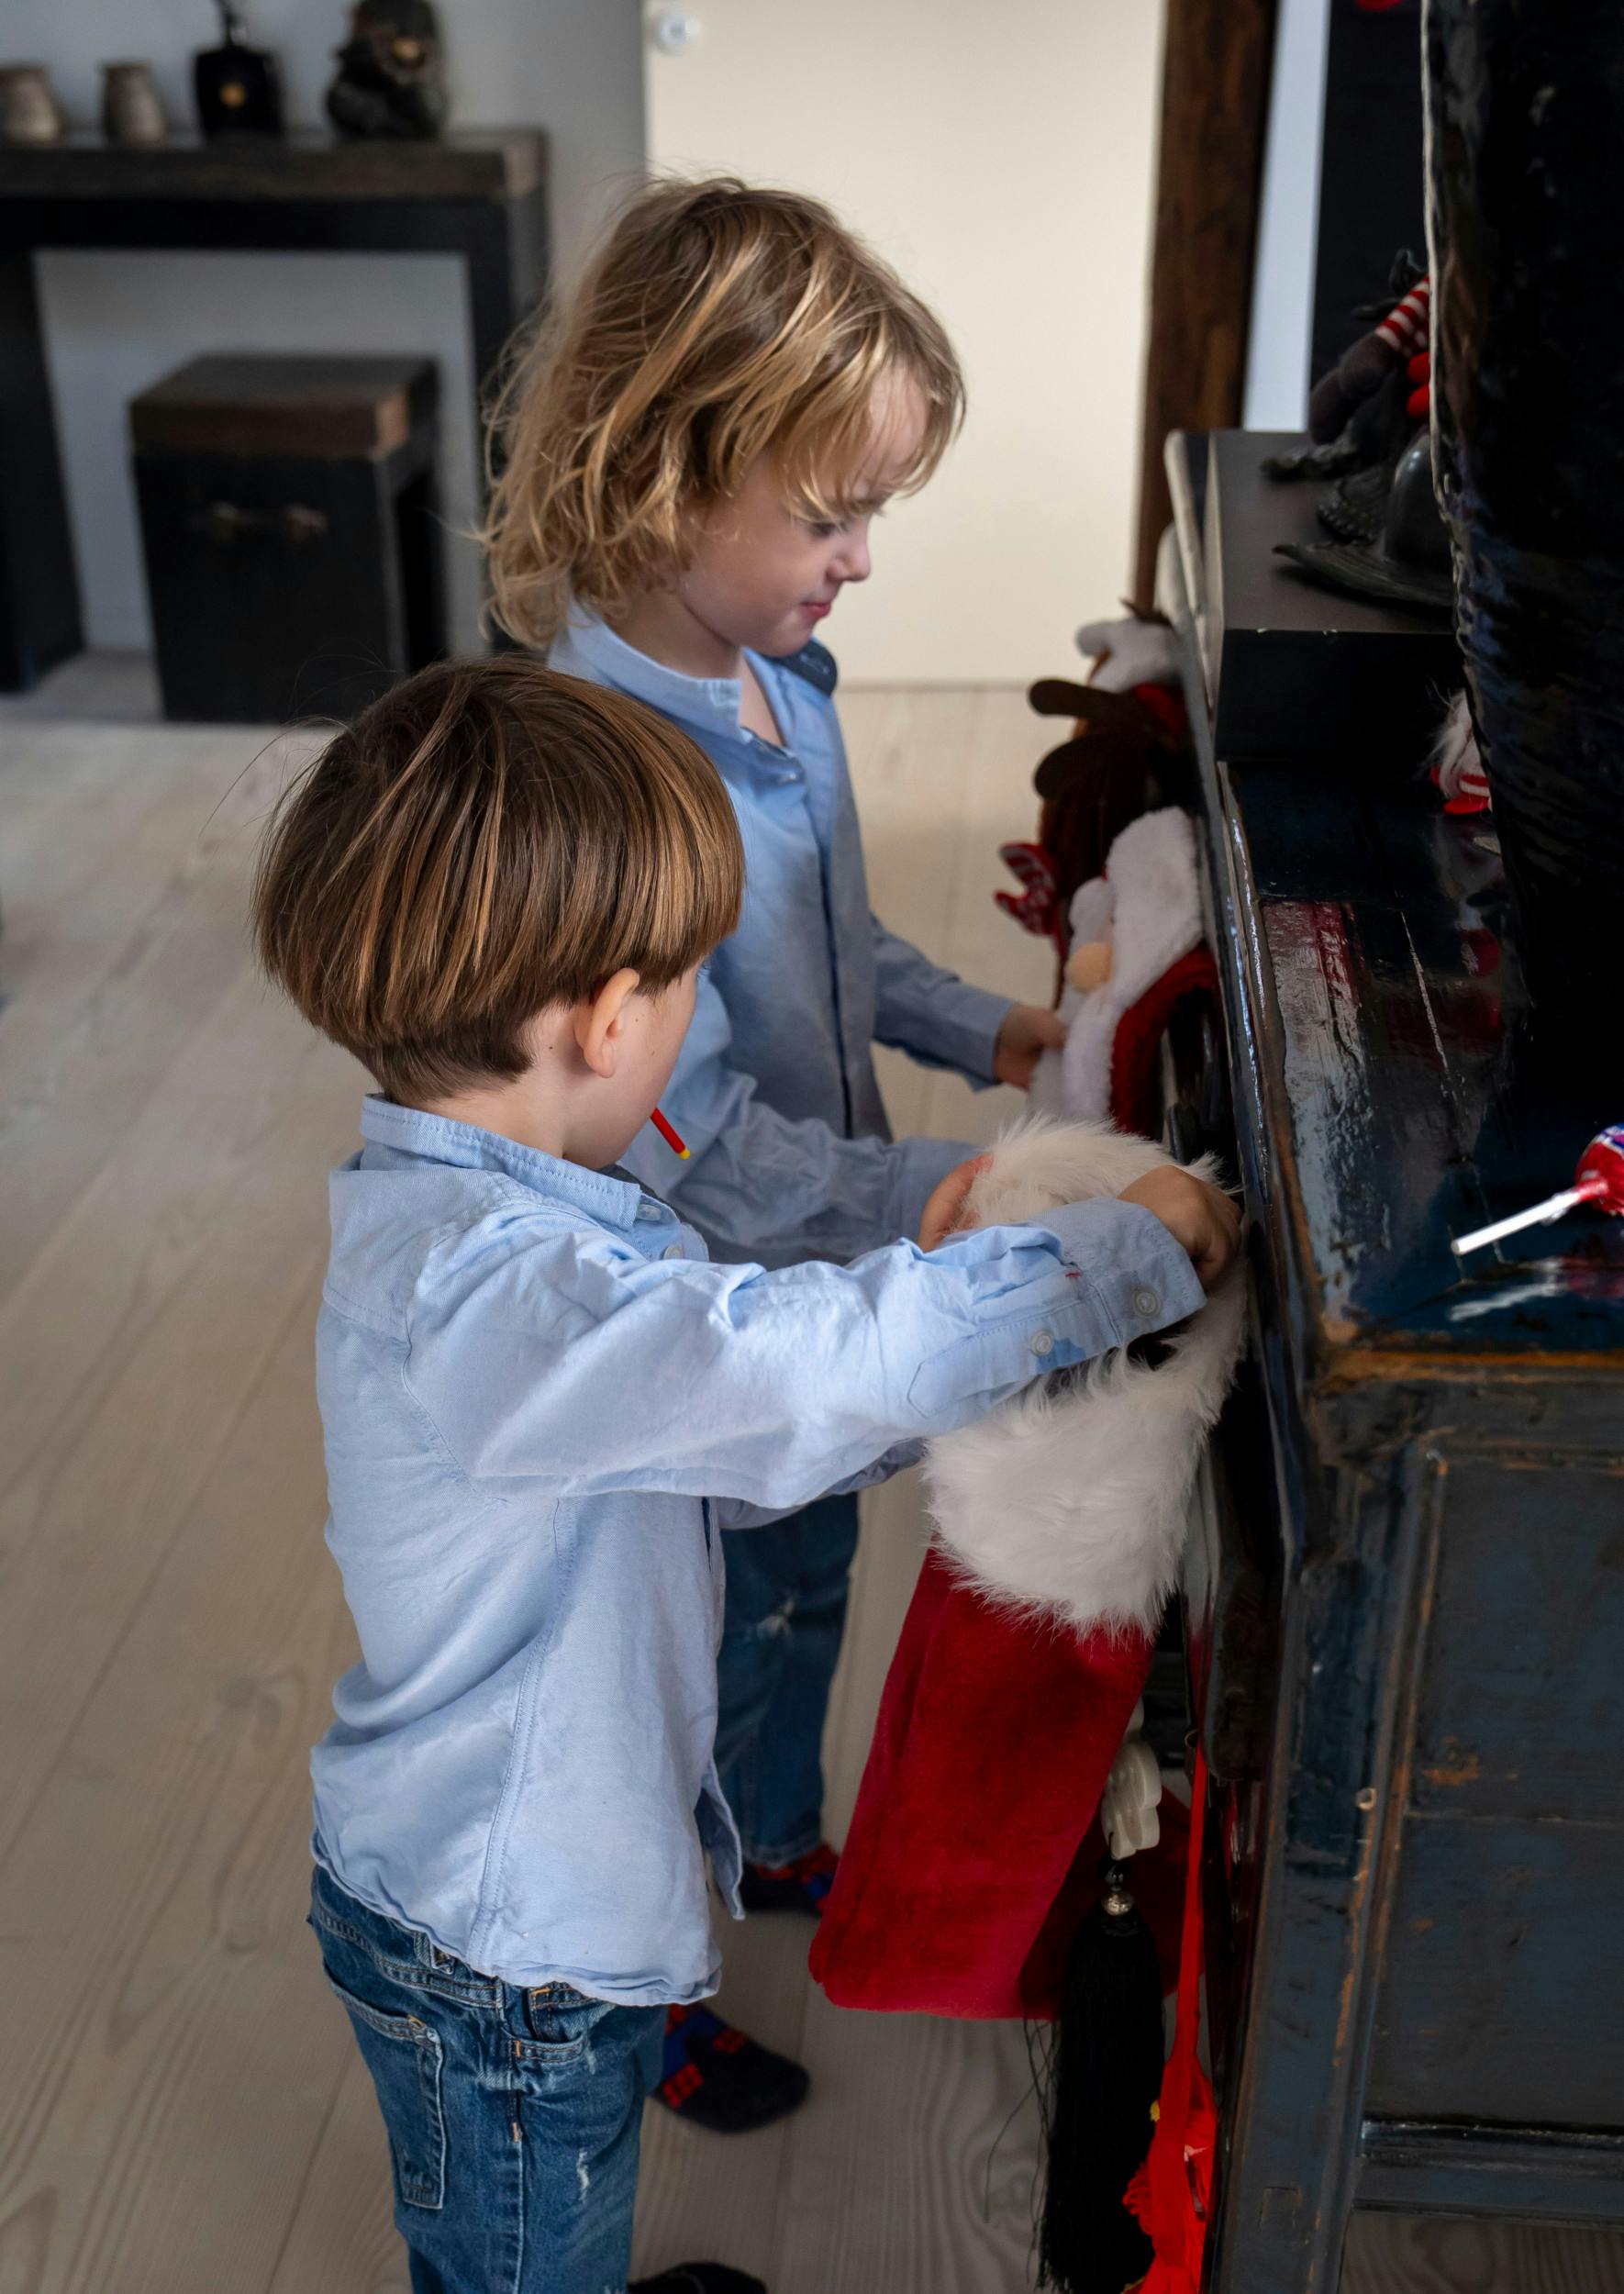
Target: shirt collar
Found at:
615, 1201
710, 703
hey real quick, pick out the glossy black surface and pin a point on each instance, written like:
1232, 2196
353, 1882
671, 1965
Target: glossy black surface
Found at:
1402, 1081
1400, 1084
1405, 1586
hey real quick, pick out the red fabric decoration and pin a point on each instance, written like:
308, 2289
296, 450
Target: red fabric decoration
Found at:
975, 1851
1036, 908
1135, 1048
1172, 2194
1167, 707
1418, 404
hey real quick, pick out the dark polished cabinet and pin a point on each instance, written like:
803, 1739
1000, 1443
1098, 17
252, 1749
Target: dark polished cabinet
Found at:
1404, 1593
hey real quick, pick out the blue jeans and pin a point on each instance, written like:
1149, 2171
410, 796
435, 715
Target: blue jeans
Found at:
514, 2116
787, 1588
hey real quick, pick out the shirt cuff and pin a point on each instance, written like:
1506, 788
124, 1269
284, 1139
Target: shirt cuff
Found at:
922, 1166
1142, 1278
977, 1018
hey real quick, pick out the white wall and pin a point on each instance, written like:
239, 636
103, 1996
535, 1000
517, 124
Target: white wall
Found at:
1288, 222
115, 322
1002, 158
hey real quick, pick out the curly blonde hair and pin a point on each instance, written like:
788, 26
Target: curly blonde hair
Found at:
719, 322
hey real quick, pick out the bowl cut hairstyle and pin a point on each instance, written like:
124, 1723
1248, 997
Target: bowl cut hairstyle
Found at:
486, 842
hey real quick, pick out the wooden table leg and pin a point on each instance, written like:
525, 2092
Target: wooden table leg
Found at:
39, 623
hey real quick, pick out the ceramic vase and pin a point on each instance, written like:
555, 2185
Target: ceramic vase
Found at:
132, 110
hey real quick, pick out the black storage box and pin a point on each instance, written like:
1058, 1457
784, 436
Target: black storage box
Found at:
1292, 670
290, 524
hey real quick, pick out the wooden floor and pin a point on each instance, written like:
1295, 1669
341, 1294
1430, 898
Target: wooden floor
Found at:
181, 2110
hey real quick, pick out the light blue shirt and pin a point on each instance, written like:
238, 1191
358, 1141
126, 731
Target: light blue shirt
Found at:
540, 1402
775, 1094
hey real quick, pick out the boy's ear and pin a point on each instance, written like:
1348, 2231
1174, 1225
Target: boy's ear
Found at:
599, 1024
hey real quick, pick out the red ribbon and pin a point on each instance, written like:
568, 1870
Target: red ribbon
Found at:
1171, 2195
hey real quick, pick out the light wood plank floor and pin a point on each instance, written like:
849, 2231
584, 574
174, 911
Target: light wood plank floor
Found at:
182, 2111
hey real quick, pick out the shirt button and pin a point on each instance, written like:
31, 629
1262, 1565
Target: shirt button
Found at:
1146, 1302
1042, 1343
672, 1251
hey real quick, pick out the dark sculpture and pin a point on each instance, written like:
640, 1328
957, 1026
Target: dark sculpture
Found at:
1390, 541
391, 79
1525, 123
1359, 415
1367, 423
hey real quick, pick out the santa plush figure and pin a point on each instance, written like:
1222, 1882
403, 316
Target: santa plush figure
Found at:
1137, 952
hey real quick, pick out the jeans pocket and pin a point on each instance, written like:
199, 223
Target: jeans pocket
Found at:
560, 2019
405, 2058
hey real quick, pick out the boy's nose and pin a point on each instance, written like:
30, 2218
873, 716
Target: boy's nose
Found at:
853, 562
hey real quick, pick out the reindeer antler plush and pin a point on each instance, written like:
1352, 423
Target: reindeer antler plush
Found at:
1122, 759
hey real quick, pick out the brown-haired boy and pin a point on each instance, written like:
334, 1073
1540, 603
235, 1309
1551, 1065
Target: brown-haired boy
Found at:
541, 1403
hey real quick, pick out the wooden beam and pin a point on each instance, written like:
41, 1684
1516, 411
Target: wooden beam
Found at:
1217, 62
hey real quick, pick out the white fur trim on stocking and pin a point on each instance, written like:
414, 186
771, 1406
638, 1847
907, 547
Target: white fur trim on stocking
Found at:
1071, 1500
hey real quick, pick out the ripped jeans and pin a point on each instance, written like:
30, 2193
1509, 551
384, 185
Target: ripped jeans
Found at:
787, 1589
513, 2115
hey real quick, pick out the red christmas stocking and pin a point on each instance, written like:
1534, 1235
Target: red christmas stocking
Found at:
973, 1850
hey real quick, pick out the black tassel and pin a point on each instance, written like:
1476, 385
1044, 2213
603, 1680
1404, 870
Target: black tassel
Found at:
1105, 2073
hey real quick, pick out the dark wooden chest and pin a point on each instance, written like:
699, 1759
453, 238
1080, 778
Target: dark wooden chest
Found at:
291, 530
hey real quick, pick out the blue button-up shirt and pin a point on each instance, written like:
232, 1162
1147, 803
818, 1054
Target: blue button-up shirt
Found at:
541, 1401
776, 1094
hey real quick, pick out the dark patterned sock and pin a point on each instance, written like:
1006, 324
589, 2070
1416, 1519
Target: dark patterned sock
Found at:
698, 2277
802, 1885
716, 2076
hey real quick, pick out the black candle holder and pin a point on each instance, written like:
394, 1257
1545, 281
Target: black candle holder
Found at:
237, 88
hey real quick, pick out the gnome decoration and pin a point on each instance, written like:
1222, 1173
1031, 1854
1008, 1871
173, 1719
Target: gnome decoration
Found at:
1368, 423
1457, 763
1363, 414
390, 77
1403, 337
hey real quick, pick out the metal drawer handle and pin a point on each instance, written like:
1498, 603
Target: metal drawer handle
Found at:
226, 521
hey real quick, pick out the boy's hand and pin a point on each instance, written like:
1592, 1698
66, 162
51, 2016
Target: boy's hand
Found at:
941, 1212
1201, 1219
1029, 1029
